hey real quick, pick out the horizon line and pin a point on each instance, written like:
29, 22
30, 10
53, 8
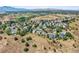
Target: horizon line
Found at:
48, 7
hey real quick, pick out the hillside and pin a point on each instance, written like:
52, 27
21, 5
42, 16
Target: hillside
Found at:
11, 9
33, 33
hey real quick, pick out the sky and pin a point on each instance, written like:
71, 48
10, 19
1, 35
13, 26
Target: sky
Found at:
34, 4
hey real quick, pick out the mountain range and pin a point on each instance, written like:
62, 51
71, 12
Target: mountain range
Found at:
10, 9
5, 9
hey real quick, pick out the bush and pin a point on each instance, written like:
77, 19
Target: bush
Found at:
15, 38
44, 48
28, 38
1, 32
65, 38
74, 45
8, 31
26, 49
4, 26
59, 29
69, 35
5, 37
23, 41
22, 33
27, 44
22, 19
54, 50
34, 45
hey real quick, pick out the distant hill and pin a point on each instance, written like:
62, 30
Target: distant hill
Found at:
10, 9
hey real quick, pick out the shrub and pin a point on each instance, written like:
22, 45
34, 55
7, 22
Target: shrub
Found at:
65, 38
21, 19
15, 38
23, 41
26, 49
60, 45
69, 35
22, 33
8, 31
4, 26
34, 45
44, 48
59, 29
54, 50
1, 32
28, 38
27, 44
54, 41
74, 45
5, 37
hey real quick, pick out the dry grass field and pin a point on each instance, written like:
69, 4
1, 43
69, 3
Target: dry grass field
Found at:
9, 44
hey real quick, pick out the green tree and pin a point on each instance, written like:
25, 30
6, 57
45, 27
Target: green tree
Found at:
69, 35
21, 32
8, 31
4, 26
59, 29
22, 19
